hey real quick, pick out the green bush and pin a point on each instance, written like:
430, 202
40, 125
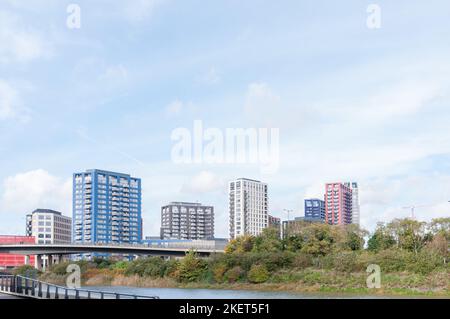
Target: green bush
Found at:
345, 261
102, 263
234, 274
392, 260
302, 261
60, 269
258, 274
155, 267
191, 268
120, 265
26, 270
219, 271
275, 261
136, 267
148, 267
171, 268
424, 262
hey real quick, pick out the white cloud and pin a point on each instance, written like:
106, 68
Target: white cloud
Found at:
386, 104
387, 198
24, 192
11, 105
19, 43
204, 182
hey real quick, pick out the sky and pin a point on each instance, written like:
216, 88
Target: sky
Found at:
351, 103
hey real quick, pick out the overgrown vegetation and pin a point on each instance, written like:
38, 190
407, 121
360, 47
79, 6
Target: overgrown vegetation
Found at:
410, 254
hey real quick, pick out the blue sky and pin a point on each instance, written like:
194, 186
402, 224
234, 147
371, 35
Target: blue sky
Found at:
351, 103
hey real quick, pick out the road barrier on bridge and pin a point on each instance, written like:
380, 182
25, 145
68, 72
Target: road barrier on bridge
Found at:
31, 288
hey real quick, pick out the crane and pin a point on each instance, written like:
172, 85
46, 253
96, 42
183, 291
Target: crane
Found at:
413, 209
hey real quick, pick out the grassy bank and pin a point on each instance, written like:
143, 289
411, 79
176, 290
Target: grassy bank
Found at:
436, 284
411, 257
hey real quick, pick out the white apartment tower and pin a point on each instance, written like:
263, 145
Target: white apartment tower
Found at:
248, 207
356, 208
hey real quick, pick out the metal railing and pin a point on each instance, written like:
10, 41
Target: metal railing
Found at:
32, 288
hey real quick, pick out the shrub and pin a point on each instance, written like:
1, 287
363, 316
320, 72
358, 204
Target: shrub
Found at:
60, 269
190, 268
275, 261
120, 265
154, 267
219, 271
345, 261
302, 261
245, 261
136, 267
424, 262
391, 260
102, 263
234, 274
171, 268
258, 274
241, 244
26, 270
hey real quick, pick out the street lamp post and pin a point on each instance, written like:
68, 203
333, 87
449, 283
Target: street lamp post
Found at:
288, 211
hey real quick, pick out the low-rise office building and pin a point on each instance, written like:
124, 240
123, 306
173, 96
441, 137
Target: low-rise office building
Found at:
8, 261
49, 227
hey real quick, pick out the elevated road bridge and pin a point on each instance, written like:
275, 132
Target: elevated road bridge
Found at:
59, 250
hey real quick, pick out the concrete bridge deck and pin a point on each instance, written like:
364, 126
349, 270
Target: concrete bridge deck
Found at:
67, 249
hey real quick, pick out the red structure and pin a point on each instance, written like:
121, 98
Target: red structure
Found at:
338, 204
10, 260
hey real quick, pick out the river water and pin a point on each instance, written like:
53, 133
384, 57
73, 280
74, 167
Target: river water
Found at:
175, 293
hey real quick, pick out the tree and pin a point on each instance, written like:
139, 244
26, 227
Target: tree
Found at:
191, 268
317, 239
440, 226
381, 239
409, 234
292, 243
440, 245
268, 241
354, 237
240, 245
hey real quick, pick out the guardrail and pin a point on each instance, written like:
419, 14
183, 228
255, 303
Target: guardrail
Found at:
31, 288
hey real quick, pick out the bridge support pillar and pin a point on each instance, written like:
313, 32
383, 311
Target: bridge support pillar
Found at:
44, 262
38, 262
58, 258
50, 260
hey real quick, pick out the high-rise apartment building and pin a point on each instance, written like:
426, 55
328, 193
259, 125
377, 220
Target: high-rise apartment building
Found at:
356, 208
190, 221
49, 227
314, 210
106, 208
338, 204
248, 207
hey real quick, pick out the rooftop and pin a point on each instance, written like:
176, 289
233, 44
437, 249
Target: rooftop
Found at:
46, 211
